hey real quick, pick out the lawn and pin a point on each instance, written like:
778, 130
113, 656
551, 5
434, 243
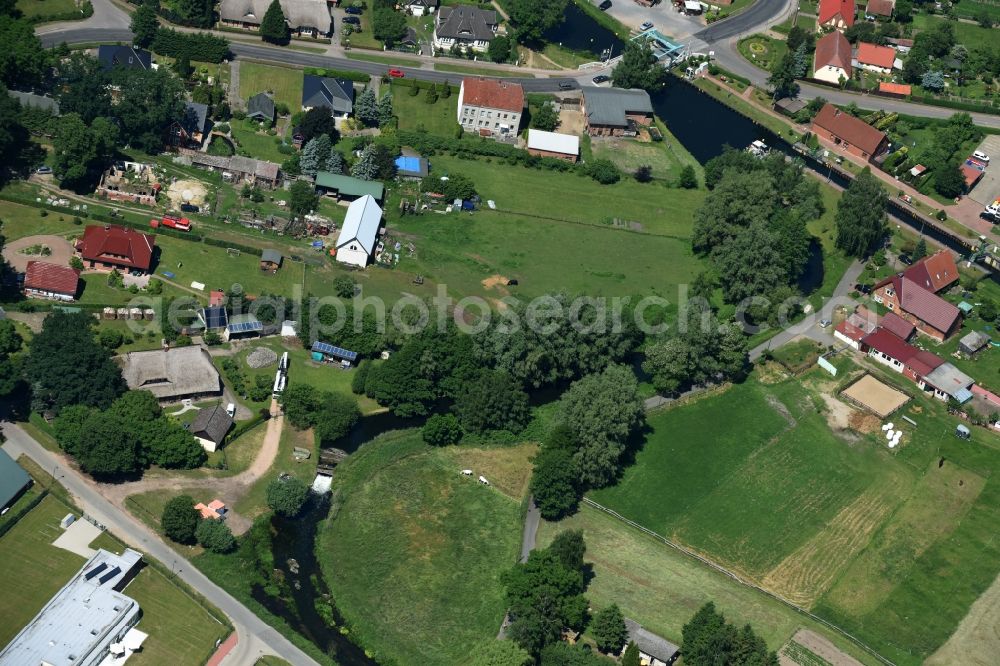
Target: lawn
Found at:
417, 577
763, 51
662, 588
254, 502
799, 355
414, 112
874, 542
19, 221
32, 8
969, 35
261, 145
284, 82
629, 155
371, 57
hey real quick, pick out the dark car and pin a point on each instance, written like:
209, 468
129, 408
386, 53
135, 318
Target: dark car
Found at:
863, 288
354, 10
905, 259
601, 78
353, 20
189, 208
43, 169
565, 86
604, 6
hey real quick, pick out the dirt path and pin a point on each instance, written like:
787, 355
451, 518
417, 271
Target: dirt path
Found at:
820, 647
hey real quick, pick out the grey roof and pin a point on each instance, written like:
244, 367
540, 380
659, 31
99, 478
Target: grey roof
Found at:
608, 106
111, 56
974, 340
649, 643
313, 14
362, 222
946, 377
260, 106
464, 22
239, 164
175, 373
271, 256
195, 117
338, 94
13, 479
421, 3
212, 424
31, 100
80, 622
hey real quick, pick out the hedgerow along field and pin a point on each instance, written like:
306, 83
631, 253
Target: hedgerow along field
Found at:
413, 551
876, 543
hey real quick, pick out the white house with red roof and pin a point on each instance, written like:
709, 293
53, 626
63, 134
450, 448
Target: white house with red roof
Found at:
490, 107
835, 14
875, 58
51, 281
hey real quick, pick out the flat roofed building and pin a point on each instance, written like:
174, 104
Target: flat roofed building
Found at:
85, 620
552, 144
348, 187
172, 374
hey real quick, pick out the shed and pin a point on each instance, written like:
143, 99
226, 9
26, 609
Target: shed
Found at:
211, 426
965, 307
261, 107
972, 342
270, 260
356, 243
553, 144
789, 106
13, 480
347, 186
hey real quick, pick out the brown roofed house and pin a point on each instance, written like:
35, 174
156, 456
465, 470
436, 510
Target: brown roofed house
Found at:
832, 60
932, 315
934, 272
876, 58
51, 281
835, 14
112, 246
852, 134
880, 8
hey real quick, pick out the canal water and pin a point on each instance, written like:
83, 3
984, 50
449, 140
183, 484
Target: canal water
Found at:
579, 32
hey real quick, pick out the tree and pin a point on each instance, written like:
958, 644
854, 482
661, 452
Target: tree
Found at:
904, 11
23, 61
984, 18
782, 80
568, 547
604, 171
920, 251
215, 535
366, 168
366, 107
302, 197
730, 159
554, 482
861, 221
709, 640
287, 496
335, 162
545, 118
458, 186
196, 13
688, 179
498, 653
316, 121
948, 181
344, 286
492, 401
82, 152
442, 430
83, 88
643, 173
602, 410
388, 25
750, 264
631, 656
180, 519
564, 654
145, 24
315, 154
67, 366
639, 68
274, 27
933, 80
69, 428
431, 96
532, 18
385, 111
301, 403
337, 416
608, 628
148, 103
798, 36
499, 49
183, 67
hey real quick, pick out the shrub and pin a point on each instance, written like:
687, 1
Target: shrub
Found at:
603, 171
215, 535
442, 430
287, 496
180, 519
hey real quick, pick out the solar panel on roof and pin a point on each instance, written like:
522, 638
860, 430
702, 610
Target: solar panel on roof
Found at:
245, 326
339, 352
111, 574
96, 570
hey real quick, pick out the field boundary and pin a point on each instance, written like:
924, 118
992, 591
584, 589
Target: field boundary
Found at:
739, 579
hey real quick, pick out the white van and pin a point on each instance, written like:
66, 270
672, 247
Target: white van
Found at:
231, 410
980, 155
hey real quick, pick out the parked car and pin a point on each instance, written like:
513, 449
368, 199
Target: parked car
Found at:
354, 10
396, 73
825, 323
980, 155
43, 169
189, 208
601, 78
863, 288
905, 259
353, 20
648, 25
565, 85
604, 6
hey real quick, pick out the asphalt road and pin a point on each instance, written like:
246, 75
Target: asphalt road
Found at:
255, 636
761, 13
531, 520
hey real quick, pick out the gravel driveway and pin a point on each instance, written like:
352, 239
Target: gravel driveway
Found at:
61, 251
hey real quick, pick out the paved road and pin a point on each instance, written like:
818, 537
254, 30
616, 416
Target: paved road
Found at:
761, 13
531, 520
255, 636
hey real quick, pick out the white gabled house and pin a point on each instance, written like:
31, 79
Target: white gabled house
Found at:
356, 243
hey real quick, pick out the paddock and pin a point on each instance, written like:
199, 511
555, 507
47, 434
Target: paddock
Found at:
875, 396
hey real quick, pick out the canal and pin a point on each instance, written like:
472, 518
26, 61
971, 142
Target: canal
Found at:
579, 32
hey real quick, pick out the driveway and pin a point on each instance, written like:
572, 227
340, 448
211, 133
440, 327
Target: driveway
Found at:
61, 251
77, 538
988, 189
663, 17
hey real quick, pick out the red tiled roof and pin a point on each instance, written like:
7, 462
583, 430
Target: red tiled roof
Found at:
926, 305
834, 50
884, 341
54, 278
971, 175
829, 9
493, 94
117, 245
873, 54
898, 326
857, 326
849, 129
216, 297
880, 7
894, 88
923, 363
934, 272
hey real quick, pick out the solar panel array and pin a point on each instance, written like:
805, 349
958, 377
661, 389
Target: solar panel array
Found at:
339, 352
245, 326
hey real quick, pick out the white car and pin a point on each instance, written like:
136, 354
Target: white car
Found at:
981, 156
648, 25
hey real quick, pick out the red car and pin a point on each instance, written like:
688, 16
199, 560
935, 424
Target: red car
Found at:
396, 73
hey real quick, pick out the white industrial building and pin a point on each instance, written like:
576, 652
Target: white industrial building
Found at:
356, 243
86, 621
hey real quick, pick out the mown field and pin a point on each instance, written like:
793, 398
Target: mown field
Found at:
285, 83
893, 548
441, 117
414, 551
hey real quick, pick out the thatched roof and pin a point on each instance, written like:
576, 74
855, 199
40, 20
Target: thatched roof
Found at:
172, 374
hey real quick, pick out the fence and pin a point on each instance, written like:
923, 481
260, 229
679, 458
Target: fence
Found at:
739, 579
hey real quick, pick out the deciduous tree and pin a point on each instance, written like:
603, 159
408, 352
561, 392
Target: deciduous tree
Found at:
545, 118
532, 18
23, 61
861, 221
499, 49
316, 121
302, 197
608, 628
81, 152
287, 496
180, 519
388, 25
639, 68
215, 535
441, 430
492, 401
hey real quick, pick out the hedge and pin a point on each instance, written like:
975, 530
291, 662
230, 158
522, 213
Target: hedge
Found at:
424, 85
200, 46
952, 104
23, 512
246, 426
351, 74
73, 15
428, 144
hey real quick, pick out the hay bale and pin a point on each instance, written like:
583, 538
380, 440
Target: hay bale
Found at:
261, 357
